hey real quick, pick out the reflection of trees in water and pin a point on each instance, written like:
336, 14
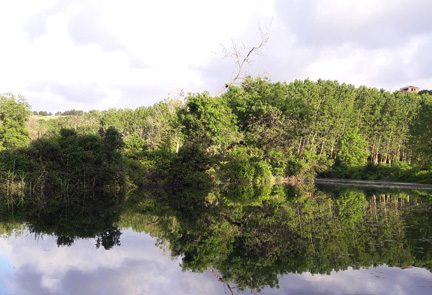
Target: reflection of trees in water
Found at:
248, 236
68, 219
251, 242
108, 238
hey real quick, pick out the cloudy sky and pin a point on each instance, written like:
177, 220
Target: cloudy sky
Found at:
94, 54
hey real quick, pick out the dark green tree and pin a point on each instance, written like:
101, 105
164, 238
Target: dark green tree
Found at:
14, 112
209, 121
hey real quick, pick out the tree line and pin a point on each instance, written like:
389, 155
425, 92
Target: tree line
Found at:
252, 132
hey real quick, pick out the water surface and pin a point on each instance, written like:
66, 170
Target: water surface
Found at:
338, 241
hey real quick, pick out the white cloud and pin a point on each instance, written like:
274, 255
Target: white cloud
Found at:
115, 46
377, 44
115, 49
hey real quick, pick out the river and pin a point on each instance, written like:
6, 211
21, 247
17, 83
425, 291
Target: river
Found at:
282, 240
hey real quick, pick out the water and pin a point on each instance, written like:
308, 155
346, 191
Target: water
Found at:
282, 241
39, 266
30, 266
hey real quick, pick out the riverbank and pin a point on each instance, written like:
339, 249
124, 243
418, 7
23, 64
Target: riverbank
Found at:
373, 183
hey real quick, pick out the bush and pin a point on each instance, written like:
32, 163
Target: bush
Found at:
69, 164
263, 172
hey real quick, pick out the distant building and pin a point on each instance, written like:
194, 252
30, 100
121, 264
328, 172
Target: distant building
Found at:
410, 89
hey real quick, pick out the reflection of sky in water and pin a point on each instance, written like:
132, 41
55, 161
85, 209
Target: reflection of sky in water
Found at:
38, 266
375, 280
6, 268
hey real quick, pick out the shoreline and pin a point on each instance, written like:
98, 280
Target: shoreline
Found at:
373, 183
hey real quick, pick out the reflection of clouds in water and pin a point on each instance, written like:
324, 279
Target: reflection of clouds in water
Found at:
375, 280
5, 265
139, 267
6, 271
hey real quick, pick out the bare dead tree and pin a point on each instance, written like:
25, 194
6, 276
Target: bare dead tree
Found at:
243, 56
220, 279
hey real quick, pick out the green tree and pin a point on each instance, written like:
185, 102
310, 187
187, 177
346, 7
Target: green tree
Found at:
425, 91
352, 150
14, 112
147, 128
421, 132
209, 121
257, 106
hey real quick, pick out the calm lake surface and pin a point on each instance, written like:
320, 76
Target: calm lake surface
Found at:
334, 240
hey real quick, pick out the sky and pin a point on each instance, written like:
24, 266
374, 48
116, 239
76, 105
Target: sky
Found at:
94, 54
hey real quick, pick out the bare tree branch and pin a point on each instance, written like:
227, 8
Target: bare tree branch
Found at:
220, 279
242, 59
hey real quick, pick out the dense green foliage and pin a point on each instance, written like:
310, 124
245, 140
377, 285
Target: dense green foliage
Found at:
208, 121
67, 218
421, 141
68, 165
14, 112
250, 134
